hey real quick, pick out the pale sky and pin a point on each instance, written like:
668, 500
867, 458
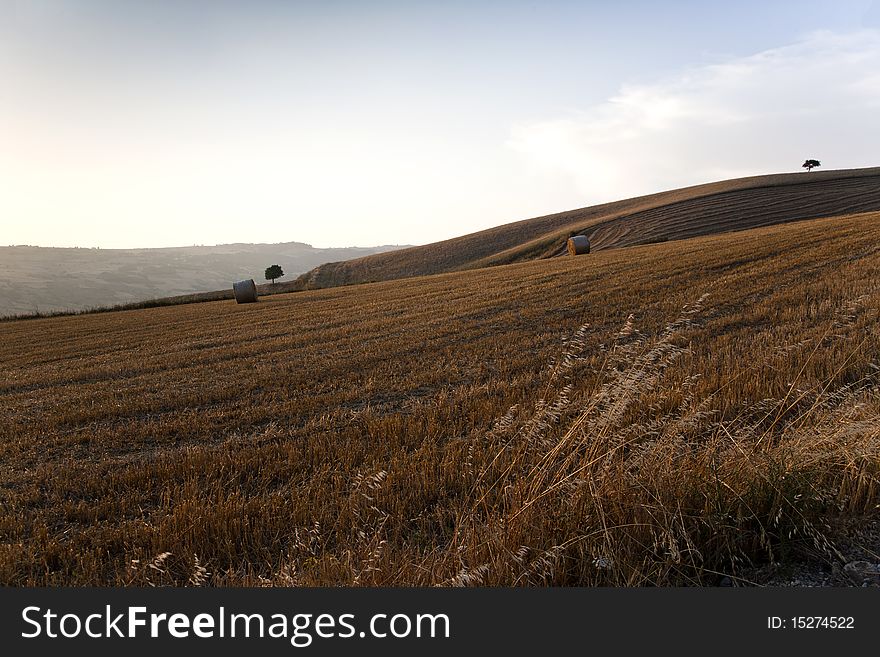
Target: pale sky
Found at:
179, 122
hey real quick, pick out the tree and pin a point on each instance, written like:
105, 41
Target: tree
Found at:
809, 164
274, 272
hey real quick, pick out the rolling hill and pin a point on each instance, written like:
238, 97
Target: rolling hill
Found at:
690, 212
670, 413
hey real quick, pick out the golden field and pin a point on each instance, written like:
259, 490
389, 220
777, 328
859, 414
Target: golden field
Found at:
662, 414
727, 205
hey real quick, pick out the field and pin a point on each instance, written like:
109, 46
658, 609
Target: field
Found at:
671, 413
728, 205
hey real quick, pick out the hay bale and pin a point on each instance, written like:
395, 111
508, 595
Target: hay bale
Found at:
578, 245
245, 291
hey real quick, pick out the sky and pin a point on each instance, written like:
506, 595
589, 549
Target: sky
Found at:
340, 123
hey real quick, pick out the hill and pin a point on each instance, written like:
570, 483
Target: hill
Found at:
568, 421
38, 279
700, 210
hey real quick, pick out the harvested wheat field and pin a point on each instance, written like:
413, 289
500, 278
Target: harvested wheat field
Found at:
718, 207
663, 414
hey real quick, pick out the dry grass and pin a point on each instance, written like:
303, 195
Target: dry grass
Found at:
505, 426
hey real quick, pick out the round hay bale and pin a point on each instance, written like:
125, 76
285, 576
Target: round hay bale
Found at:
578, 245
245, 291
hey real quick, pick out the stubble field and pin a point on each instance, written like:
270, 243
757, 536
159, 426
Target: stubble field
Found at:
663, 414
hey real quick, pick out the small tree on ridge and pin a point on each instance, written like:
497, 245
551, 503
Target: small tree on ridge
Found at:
274, 272
809, 164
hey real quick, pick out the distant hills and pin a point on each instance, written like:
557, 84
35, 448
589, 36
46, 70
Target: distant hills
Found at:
40, 279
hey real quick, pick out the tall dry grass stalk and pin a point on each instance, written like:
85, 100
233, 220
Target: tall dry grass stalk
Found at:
634, 480
638, 482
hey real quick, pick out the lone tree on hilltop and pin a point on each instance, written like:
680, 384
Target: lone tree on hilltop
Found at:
809, 164
274, 272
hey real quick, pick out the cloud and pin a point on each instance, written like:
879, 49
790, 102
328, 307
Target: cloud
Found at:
763, 113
